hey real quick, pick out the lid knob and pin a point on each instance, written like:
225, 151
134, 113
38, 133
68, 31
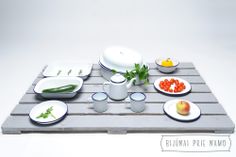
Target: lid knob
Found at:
118, 78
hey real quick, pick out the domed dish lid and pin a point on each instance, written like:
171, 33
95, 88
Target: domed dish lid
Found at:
120, 59
118, 78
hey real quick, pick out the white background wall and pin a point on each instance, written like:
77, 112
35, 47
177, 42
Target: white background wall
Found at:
36, 32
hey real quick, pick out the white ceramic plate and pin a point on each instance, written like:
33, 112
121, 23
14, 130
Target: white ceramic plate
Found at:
59, 111
170, 109
185, 91
68, 69
52, 82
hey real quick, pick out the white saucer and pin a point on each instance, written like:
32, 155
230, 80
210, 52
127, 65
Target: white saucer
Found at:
170, 109
59, 111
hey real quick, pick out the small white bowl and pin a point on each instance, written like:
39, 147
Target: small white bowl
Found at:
52, 82
164, 69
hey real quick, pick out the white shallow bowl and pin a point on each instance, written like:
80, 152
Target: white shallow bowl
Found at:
164, 69
185, 91
52, 82
63, 69
170, 109
59, 111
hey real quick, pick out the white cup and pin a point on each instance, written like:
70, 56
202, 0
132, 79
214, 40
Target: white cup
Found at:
99, 102
137, 102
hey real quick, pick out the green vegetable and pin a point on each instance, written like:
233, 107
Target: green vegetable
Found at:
46, 114
69, 72
80, 72
113, 71
58, 73
62, 89
141, 72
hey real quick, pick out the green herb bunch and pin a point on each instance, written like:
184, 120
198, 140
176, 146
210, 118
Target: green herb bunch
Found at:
140, 71
47, 113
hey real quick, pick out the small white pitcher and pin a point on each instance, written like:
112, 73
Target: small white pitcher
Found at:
118, 87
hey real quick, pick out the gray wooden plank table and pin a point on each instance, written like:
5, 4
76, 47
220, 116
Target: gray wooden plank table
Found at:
119, 119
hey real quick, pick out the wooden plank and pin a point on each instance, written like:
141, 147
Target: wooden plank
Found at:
178, 72
110, 123
119, 119
155, 72
152, 79
184, 69
151, 97
182, 65
121, 109
196, 88
100, 80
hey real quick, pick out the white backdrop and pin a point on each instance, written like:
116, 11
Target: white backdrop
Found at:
36, 32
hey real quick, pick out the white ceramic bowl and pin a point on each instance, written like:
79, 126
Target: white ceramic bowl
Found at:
164, 69
52, 82
106, 72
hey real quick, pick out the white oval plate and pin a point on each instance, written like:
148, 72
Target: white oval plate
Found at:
59, 111
52, 82
170, 109
185, 91
68, 69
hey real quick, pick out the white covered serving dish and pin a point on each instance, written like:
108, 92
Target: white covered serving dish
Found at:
119, 59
